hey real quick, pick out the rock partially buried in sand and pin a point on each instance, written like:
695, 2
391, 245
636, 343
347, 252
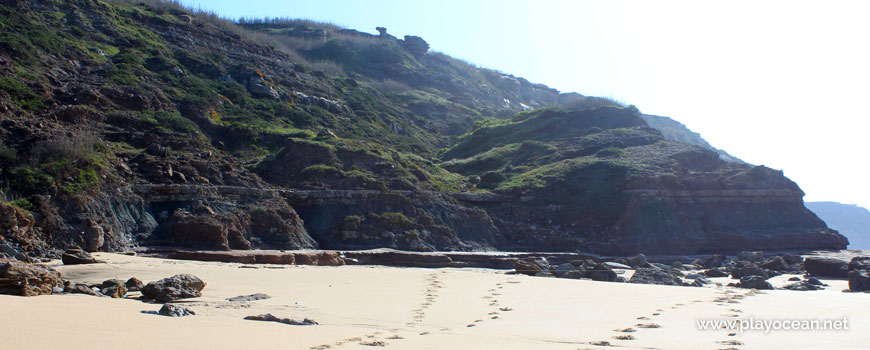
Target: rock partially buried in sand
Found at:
80, 288
77, 256
252, 297
290, 321
18, 278
175, 311
174, 288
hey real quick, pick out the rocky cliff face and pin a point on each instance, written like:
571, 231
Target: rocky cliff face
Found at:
127, 124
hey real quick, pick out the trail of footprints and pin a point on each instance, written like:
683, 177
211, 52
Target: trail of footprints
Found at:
432, 285
728, 299
491, 298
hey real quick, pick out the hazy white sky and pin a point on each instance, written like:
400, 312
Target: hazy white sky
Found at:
779, 83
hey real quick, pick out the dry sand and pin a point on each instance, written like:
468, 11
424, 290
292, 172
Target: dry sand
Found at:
409, 308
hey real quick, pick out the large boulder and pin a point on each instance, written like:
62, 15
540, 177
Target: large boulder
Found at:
754, 282
826, 267
859, 280
416, 45
860, 263
94, 237
18, 278
201, 231
653, 275
174, 288
77, 256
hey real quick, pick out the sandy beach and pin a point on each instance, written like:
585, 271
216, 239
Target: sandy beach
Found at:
414, 308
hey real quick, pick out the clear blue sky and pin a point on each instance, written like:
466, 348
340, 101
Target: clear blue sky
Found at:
779, 83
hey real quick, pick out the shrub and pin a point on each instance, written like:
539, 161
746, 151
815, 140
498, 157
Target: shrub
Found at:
610, 152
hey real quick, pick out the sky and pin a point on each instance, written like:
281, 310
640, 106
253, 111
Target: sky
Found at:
776, 83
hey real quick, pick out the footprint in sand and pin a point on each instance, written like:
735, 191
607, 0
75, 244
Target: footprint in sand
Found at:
625, 330
648, 325
624, 337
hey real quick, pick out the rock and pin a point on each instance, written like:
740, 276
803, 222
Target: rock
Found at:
416, 45
113, 288
755, 257
561, 269
651, 275
573, 274
24, 279
252, 297
693, 276
754, 282
201, 231
713, 261
597, 271
77, 256
815, 281
860, 263
94, 237
134, 284
802, 286
637, 261
80, 288
794, 279
157, 150
543, 274
531, 266
826, 267
175, 311
715, 273
859, 280
616, 265
776, 263
678, 265
290, 321
793, 259
741, 272
174, 288
697, 283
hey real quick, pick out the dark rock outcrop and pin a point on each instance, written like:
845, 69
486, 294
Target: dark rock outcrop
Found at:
24, 279
826, 267
754, 282
174, 288
653, 275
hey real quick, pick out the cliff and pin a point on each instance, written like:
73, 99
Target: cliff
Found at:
849, 219
143, 123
